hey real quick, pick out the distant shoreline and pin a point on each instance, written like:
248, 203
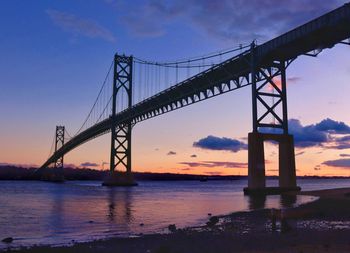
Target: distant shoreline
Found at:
8, 172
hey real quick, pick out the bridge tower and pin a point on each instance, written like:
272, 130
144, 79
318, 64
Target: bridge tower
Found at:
268, 81
59, 142
121, 133
56, 174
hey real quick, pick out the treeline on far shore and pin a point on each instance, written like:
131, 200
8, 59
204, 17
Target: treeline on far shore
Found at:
11, 172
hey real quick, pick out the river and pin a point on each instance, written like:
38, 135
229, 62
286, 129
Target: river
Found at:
34, 212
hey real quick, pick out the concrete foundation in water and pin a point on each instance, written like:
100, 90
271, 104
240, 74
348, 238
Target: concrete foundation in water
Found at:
54, 175
119, 179
256, 164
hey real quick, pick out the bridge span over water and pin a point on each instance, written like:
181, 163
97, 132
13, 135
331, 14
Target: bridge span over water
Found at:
139, 92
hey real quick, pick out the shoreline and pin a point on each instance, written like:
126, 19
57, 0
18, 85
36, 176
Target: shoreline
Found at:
314, 225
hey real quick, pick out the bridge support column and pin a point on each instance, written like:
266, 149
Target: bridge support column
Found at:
269, 83
287, 173
256, 164
256, 161
56, 174
121, 133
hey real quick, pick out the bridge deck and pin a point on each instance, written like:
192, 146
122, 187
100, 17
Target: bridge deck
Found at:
320, 33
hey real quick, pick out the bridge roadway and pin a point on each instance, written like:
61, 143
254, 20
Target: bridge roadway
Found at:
320, 33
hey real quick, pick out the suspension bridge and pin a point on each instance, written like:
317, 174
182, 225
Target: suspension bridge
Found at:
143, 89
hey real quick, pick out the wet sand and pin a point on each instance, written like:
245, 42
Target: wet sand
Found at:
319, 226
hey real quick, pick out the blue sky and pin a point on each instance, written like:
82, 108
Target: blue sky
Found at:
55, 54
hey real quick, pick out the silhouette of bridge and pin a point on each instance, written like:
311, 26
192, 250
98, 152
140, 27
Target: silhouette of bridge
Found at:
144, 89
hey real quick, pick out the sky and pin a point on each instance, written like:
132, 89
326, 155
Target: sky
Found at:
55, 54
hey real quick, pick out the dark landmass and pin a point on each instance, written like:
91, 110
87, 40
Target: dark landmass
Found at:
320, 226
9, 172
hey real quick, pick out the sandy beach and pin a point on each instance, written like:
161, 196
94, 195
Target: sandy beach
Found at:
319, 226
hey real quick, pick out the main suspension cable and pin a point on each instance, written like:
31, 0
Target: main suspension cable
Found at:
175, 64
104, 83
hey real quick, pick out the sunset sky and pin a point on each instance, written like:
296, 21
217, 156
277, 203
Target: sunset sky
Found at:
55, 54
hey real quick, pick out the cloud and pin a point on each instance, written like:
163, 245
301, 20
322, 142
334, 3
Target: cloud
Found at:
171, 153
232, 20
213, 173
240, 20
293, 79
193, 164
193, 156
317, 167
70, 165
216, 143
332, 126
306, 136
89, 164
342, 163
300, 153
213, 164
344, 155
320, 134
79, 26
149, 19
341, 143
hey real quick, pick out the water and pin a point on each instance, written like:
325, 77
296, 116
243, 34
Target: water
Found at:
56, 214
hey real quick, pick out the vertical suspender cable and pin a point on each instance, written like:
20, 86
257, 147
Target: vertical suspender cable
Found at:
139, 83
133, 86
188, 69
166, 77
177, 73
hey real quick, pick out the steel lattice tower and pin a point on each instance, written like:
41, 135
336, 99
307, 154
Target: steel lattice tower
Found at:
121, 133
59, 142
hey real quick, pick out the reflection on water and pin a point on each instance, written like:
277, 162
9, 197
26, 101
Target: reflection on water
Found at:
285, 200
119, 205
46, 213
288, 200
55, 219
257, 202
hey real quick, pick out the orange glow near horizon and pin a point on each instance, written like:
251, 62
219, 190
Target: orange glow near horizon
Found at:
154, 158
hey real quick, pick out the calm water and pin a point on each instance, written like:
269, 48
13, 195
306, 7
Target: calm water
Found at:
47, 213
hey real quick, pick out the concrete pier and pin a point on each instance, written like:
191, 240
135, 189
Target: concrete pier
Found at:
116, 178
256, 164
287, 173
256, 161
54, 175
